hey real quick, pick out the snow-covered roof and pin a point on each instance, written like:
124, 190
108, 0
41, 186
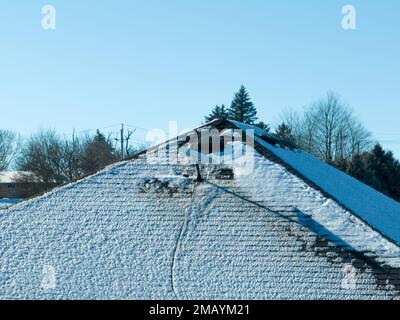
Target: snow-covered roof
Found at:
5, 203
375, 208
150, 229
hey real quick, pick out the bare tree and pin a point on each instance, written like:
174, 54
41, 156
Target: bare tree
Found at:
128, 137
302, 126
9, 142
359, 138
72, 152
329, 117
308, 131
329, 129
43, 155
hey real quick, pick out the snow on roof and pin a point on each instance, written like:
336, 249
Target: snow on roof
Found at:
141, 230
378, 210
5, 203
331, 217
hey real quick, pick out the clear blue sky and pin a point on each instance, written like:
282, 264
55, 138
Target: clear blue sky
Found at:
147, 62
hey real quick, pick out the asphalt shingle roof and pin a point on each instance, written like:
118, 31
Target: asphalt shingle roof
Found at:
149, 230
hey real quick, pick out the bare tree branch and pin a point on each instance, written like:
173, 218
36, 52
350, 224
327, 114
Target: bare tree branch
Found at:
9, 144
329, 130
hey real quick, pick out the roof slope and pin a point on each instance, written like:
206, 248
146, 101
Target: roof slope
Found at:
380, 211
144, 229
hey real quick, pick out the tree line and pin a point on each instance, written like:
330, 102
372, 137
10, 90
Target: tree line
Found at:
329, 130
53, 159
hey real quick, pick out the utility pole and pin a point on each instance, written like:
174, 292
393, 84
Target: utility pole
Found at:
122, 141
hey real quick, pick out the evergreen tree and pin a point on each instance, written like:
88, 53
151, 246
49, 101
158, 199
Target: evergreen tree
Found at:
385, 168
356, 168
219, 112
242, 109
378, 169
264, 126
97, 154
285, 133
342, 164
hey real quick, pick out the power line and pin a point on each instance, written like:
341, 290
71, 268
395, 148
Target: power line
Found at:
137, 127
95, 129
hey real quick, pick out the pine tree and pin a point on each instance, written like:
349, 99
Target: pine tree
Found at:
285, 133
97, 154
264, 126
386, 169
219, 112
342, 164
242, 109
378, 169
356, 168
